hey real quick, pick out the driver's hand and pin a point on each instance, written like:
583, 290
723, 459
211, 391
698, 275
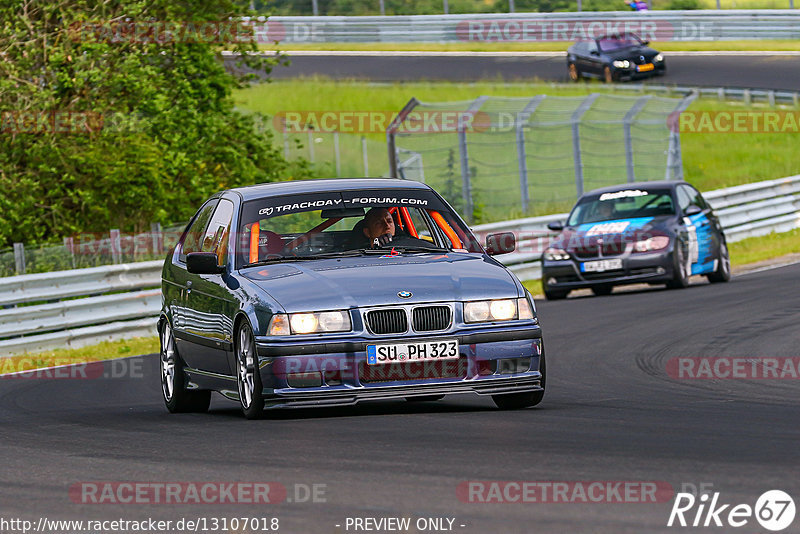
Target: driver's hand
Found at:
382, 241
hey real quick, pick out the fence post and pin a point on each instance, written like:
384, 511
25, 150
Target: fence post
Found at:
391, 131
382, 8
69, 244
522, 157
511, 7
336, 154
576, 140
364, 155
116, 246
19, 258
311, 145
626, 126
285, 145
157, 238
674, 158
466, 180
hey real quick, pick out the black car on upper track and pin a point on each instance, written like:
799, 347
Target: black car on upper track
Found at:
614, 57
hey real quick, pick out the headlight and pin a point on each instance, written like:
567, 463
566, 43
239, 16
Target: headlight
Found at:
556, 254
652, 243
622, 64
658, 58
497, 310
309, 323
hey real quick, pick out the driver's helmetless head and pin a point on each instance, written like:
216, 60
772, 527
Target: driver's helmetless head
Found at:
377, 222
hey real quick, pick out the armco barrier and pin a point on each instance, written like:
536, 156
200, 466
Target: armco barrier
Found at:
699, 25
52, 322
133, 305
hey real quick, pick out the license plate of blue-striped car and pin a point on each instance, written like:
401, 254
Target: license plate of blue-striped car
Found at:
444, 349
601, 265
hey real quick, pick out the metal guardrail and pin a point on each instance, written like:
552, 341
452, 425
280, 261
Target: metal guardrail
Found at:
695, 25
124, 300
744, 211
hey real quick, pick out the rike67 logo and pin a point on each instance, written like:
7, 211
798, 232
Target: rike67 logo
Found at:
774, 510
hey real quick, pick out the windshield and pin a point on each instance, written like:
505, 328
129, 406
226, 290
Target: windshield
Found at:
333, 224
623, 204
609, 44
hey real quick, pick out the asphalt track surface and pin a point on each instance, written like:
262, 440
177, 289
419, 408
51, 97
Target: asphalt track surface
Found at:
611, 413
767, 71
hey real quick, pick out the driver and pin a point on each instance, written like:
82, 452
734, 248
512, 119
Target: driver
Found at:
379, 230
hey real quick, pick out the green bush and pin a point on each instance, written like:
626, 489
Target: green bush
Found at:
684, 4
180, 139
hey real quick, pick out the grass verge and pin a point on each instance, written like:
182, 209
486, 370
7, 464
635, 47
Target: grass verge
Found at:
711, 160
773, 45
106, 350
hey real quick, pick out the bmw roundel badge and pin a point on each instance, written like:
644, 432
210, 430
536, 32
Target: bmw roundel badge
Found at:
405, 294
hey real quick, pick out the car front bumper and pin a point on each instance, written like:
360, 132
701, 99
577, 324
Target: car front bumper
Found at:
336, 373
652, 267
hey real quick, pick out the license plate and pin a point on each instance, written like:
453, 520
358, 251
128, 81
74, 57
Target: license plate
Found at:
601, 265
644, 68
445, 349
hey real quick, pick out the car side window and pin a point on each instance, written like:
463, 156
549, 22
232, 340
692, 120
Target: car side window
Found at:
592, 47
697, 198
192, 241
684, 199
218, 230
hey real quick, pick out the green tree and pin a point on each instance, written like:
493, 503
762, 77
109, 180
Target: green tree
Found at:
154, 129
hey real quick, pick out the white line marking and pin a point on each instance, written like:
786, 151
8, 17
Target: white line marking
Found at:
466, 53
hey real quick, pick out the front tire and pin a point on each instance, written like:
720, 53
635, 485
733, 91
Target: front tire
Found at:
602, 291
555, 294
574, 73
177, 398
425, 398
680, 277
517, 401
608, 76
248, 376
723, 272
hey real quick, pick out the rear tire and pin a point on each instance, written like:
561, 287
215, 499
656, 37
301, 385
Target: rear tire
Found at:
177, 398
248, 375
517, 401
723, 272
680, 276
602, 291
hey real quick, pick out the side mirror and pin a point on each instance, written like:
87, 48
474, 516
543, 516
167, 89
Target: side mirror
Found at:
645, 43
555, 226
594, 53
502, 243
693, 210
203, 263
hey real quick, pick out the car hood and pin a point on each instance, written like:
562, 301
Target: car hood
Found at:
614, 230
363, 281
633, 53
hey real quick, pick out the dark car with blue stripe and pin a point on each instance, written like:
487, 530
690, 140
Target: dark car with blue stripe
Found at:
649, 232
278, 296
